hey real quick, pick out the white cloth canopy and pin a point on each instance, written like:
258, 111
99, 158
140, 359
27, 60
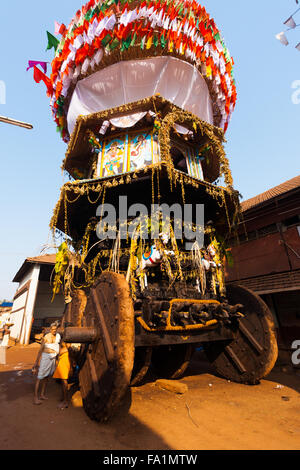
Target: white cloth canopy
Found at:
129, 81
127, 121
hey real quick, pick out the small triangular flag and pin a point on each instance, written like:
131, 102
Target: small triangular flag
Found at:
298, 47
114, 44
38, 75
52, 42
282, 38
133, 40
290, 23
59, 28
32, 63
163, 41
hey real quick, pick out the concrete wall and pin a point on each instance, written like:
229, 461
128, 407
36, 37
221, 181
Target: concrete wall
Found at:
17, 315
44, 308
28, 318
23, 306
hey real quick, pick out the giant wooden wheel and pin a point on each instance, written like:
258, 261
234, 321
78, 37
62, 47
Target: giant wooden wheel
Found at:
106, 372
252, 354
110, 363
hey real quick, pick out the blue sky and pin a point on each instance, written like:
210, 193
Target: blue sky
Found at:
263, 138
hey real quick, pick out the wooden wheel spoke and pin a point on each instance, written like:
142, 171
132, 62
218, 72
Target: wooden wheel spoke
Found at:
250, 337
240, 366
105, 335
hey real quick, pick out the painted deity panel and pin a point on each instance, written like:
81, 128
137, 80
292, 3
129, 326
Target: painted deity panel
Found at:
143, 150
128, 153
113, 161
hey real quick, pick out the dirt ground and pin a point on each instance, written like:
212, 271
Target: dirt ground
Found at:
213, 414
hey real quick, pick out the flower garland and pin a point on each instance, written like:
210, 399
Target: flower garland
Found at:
214, 152
105, 32
182, 268
215, 136
78, 189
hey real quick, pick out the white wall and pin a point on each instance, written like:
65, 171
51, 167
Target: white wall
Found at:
22, 319
38, 305
26, 278
25, 333
17, 317
44, 308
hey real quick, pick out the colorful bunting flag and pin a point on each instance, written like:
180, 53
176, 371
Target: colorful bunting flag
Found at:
149, 42
59, 28
106, 40
126, 43
133, 40
290, 23
177, 27
163, 41
114, 44
52, 42
32, 63
282, 38
39, 76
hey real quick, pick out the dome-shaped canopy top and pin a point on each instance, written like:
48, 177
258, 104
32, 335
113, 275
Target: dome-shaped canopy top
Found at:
105, 33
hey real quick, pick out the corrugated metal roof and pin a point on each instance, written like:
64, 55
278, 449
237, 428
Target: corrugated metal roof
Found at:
271, 193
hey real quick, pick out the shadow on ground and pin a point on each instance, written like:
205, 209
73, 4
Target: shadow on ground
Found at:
199, 365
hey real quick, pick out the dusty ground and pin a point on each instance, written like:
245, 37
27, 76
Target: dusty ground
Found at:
213, 414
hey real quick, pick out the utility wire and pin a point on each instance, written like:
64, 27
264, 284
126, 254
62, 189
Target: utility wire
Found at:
295, 12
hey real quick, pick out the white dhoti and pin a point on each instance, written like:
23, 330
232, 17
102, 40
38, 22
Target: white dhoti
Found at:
47, 366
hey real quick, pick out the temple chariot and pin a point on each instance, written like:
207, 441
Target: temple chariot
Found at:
143, 93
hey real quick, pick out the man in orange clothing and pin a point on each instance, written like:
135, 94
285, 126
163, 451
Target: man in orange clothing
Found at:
62, 372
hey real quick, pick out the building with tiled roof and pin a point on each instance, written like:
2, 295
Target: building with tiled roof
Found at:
32, 307
280, 190
40, 260
266, 255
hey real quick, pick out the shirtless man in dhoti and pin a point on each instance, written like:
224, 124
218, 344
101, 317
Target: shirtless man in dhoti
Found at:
46, 362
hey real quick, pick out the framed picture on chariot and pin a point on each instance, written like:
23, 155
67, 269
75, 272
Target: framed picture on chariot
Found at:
143, 150
113, 157
127, 153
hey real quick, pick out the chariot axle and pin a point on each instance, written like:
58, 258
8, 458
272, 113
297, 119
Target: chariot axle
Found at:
80, 335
